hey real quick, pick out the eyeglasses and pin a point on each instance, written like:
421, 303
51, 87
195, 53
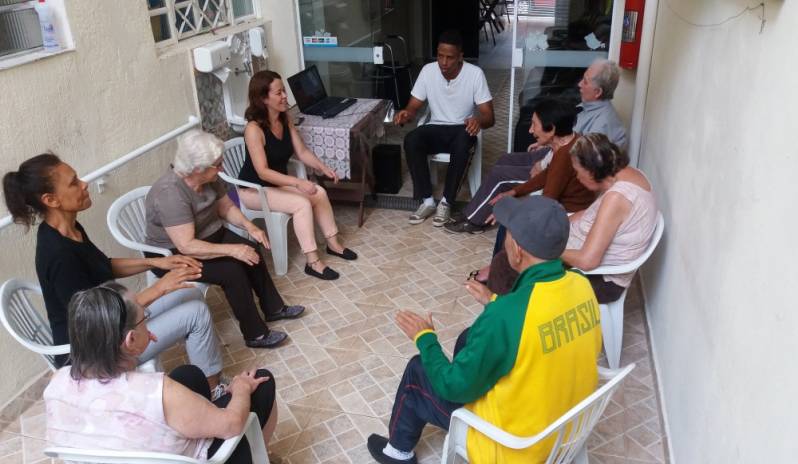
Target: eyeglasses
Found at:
146, 317
217, 165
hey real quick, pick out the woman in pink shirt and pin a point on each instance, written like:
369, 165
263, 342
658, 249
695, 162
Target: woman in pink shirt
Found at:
100, 401
617, 228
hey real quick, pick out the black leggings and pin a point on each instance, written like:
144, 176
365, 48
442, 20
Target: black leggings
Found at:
261, 403
238, 280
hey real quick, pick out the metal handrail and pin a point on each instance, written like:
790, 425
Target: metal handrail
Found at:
122, 160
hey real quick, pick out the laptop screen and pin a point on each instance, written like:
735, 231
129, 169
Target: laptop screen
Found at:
307, 87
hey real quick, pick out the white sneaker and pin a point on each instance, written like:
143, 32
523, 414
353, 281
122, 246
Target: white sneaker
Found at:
422, 213
442, 214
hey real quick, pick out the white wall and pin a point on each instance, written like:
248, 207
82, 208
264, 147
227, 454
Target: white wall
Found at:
109, 96
718, 146
284, 56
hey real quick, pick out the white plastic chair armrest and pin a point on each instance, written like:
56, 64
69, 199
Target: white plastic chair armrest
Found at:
254, 436
264, 204
491, 431
50, 350
299, 168
113, 457
252, 431
611, 270
239, 182
606, 373
142, 247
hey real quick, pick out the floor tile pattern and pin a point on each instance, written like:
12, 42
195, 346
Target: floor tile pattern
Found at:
337, 375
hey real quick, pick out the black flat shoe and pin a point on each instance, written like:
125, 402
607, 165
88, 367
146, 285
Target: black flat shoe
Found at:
347, 254
327, 274
271, 340
376, 443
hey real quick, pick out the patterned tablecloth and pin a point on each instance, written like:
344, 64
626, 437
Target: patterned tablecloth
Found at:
346, 139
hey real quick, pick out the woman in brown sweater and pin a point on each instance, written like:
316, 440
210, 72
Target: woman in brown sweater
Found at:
552, 126
558, 180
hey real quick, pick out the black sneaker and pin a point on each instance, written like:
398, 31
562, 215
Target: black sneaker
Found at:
376, 443
271, 340
464, 226
288, 312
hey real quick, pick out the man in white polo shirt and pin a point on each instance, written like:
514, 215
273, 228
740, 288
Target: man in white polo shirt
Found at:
460, 106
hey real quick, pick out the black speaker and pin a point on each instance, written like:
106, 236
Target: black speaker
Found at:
387, 161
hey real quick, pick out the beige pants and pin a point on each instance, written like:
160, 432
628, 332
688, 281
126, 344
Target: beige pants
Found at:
302, 207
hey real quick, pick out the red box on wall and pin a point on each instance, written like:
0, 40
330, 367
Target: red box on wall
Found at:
630, 38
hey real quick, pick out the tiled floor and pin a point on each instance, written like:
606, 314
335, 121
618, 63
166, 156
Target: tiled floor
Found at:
338, 374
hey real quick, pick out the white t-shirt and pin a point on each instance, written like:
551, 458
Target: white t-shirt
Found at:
451, 102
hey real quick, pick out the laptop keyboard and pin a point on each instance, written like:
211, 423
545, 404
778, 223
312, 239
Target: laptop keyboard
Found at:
331, 107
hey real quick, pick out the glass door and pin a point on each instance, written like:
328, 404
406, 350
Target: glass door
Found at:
554, 42
338, 37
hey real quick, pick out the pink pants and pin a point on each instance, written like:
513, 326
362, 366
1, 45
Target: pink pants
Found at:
302, 208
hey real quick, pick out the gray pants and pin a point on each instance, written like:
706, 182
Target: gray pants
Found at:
179, 316
510, 170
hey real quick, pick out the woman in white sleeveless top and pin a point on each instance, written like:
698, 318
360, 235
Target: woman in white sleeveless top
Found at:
100, 401
617, 228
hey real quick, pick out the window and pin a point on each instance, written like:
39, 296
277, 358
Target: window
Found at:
174, 20
19, 27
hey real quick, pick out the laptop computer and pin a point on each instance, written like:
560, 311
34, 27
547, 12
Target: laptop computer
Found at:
308, 89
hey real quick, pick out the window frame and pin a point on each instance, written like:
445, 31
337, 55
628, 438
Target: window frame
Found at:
65, 39
19, 6
220, 24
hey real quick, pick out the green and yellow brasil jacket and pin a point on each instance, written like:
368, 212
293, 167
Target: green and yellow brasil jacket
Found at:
528, 358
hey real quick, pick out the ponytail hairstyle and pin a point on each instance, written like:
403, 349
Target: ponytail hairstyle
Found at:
259, 87
600, 157
23, 189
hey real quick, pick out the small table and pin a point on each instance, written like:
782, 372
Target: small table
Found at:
344, 144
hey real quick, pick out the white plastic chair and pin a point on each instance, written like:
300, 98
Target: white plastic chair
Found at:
612, 313
571, 430
252, 431
26, 324
127, 221
474, 168
276, 223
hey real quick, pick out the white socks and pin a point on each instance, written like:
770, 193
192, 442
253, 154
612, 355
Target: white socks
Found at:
429, 201
392, 452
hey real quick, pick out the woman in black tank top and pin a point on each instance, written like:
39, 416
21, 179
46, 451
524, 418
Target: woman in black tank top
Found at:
271, 140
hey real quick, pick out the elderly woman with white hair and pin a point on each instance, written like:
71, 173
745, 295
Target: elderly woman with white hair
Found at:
186, 211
